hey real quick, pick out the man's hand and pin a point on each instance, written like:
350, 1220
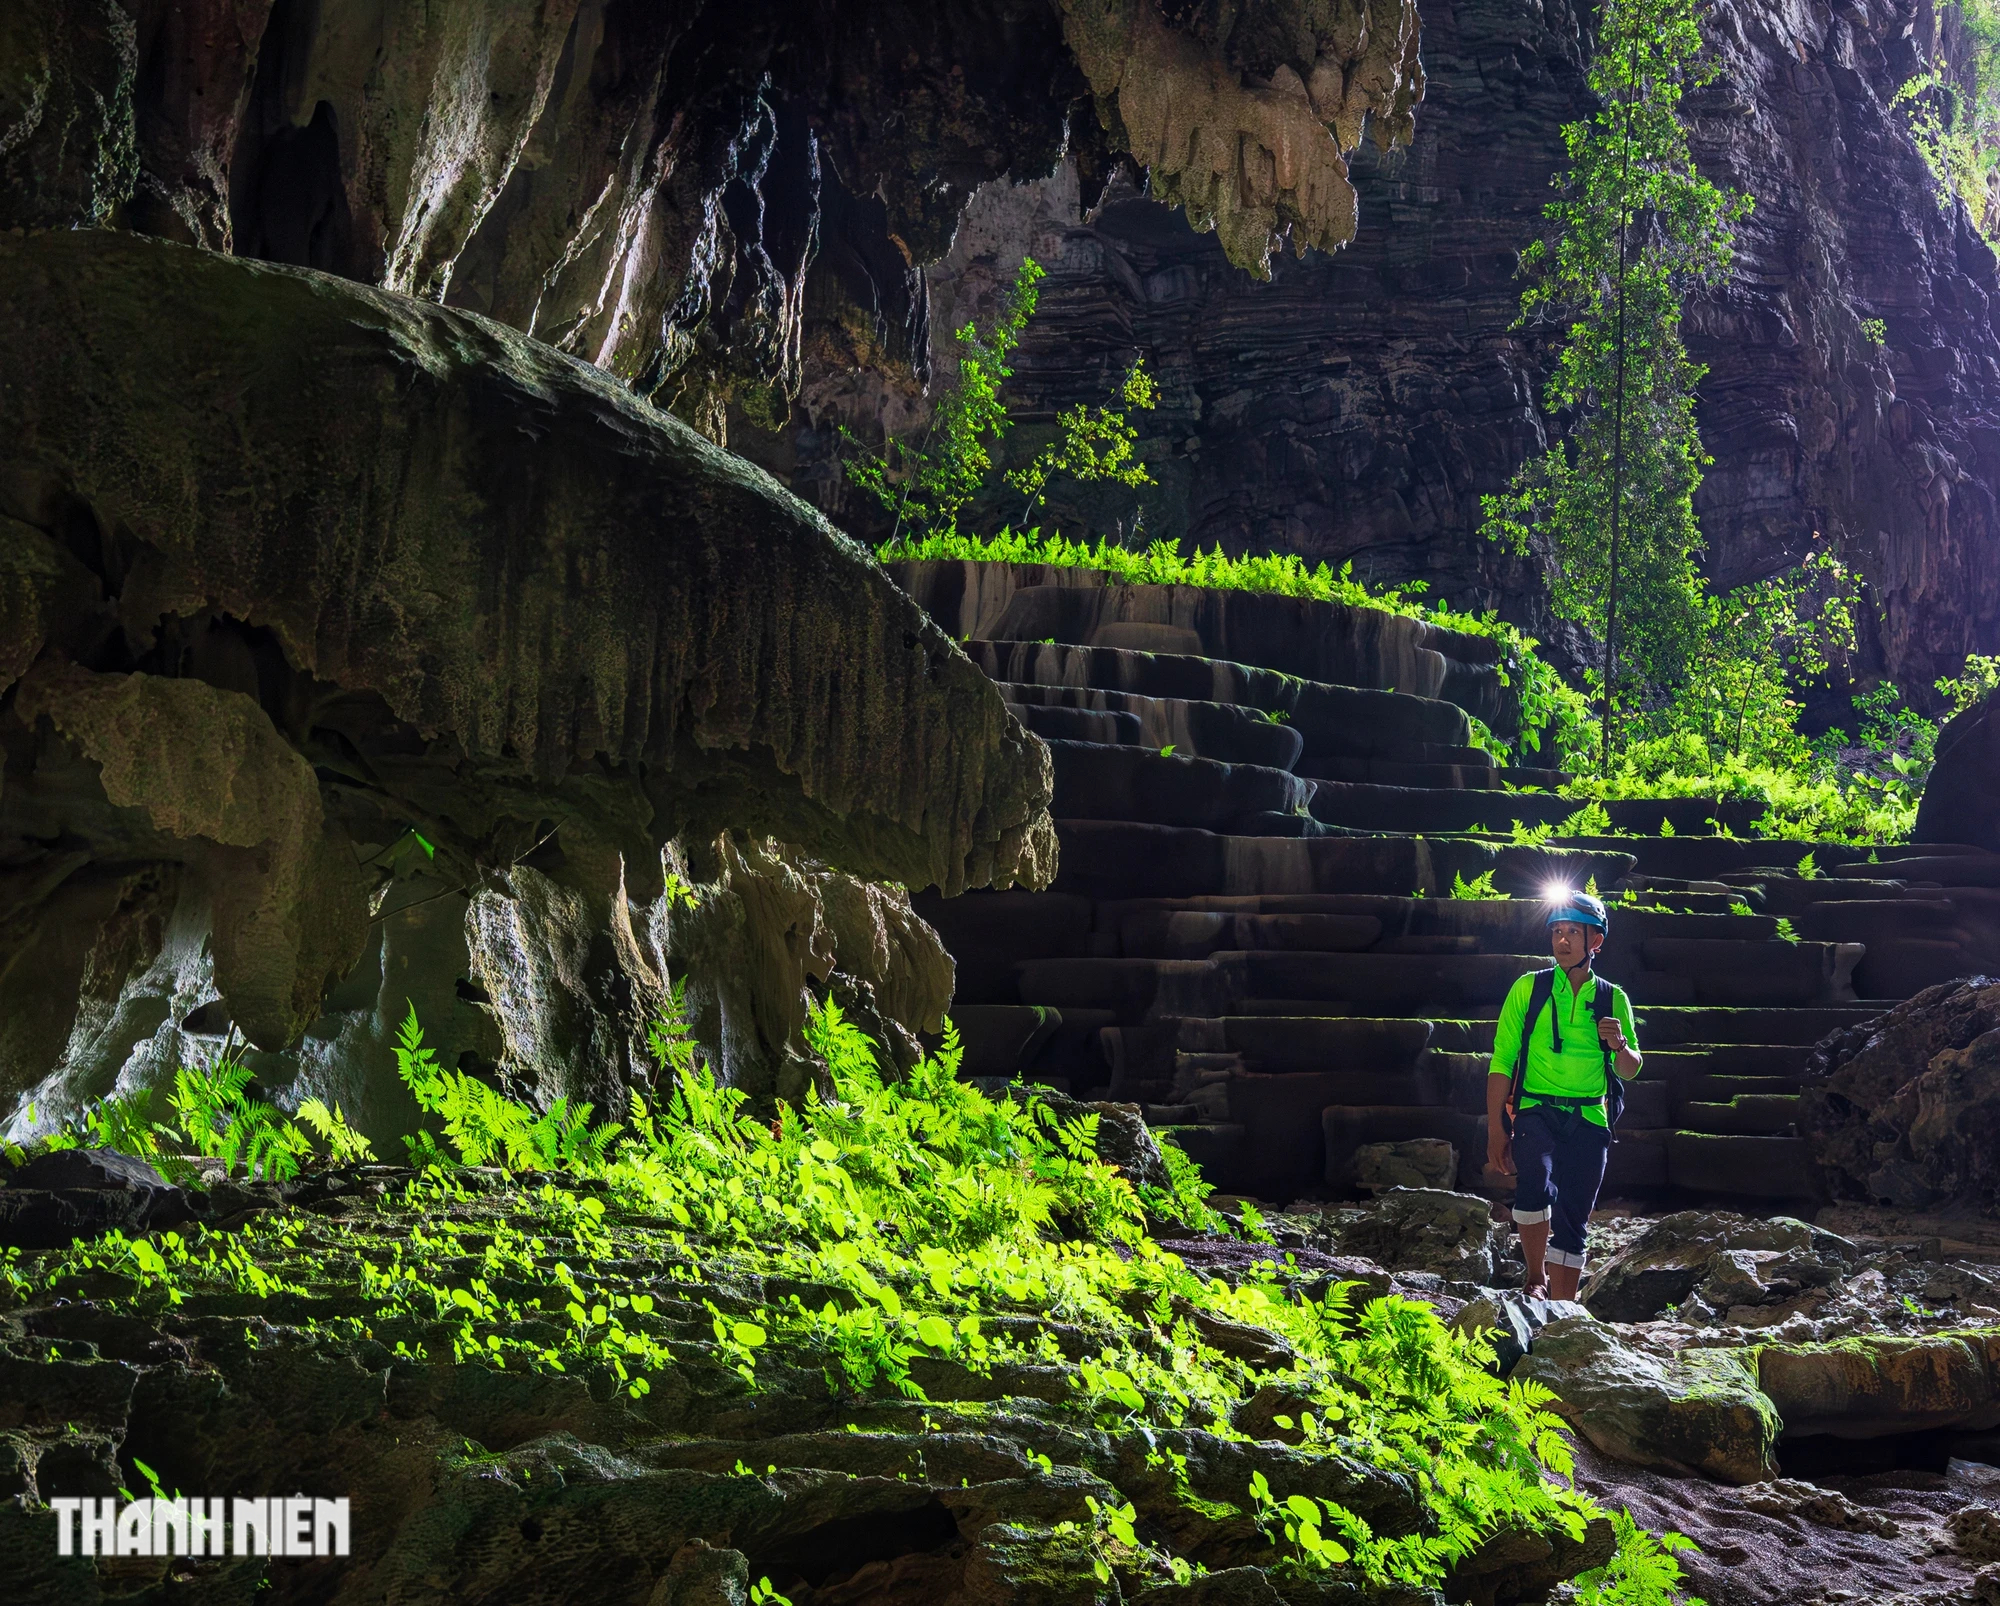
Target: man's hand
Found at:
1500, 1155
1611, 1033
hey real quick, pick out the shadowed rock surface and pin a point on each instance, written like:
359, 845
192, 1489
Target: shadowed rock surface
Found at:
311, 588
1905, 1110
1961, 801
647, 186
1359, 404
470, 1481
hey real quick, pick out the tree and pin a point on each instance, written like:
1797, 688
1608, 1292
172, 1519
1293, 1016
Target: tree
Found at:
1633, 228
1952, 107
926, 487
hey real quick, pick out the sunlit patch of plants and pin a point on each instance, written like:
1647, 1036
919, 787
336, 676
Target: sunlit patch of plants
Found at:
879, 1235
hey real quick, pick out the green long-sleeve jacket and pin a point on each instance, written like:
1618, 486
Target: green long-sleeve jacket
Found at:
1578, 1071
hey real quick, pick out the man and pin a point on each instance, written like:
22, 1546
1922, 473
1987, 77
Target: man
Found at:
1561, 1133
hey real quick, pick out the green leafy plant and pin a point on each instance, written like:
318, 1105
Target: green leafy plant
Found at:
1480, 886
1555, 717
488, 1128
1633, 227
1957, 136
1874, 331
1593, 819
1092, 444
217, 1118
926, 487
870, 1230
1644, 1570
1977, 681
345, 1145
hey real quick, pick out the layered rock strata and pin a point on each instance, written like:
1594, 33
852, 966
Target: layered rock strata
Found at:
1358, 405
1288, 910
313, 590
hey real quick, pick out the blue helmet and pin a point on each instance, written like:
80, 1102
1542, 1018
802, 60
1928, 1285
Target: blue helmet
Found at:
1578, 908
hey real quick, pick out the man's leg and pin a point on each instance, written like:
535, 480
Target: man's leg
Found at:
1577, 1169
1534, 1153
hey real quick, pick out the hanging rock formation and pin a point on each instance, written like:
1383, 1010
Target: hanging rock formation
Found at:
311, 588
646, 186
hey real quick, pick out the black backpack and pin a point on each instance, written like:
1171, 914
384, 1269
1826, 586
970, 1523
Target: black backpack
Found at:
1603, 1006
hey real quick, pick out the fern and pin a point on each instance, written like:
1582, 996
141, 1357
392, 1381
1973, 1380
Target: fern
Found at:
486, 1127
344, 1144
670, 1038
1643, 1572
1593, 819
219, 1119
1479, 887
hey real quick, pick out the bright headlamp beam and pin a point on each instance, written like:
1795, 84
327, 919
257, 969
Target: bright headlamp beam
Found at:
1556, 892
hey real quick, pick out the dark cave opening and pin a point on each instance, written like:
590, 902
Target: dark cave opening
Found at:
1816, 1456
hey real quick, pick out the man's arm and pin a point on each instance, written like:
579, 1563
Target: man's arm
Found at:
1619, 1032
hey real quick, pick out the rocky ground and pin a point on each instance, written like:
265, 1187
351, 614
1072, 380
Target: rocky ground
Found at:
1899, 1516
406, 1342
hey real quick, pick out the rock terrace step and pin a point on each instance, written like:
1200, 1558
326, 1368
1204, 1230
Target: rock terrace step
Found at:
1250, 934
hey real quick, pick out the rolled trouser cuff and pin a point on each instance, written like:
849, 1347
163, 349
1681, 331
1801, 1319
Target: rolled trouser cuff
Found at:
1528, 1218
1563, 1257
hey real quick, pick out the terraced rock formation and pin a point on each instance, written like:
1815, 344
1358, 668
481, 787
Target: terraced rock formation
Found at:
1252, 932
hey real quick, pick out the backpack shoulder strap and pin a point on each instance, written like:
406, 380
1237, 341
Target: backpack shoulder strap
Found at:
1604, 1006
1605, 1000
1540, 991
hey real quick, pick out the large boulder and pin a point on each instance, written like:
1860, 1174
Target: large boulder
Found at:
1905, 1109
1699, 1410
313, 598
80, 1193
1872, 1387
1417, 1229
1961, 801
1726, 1260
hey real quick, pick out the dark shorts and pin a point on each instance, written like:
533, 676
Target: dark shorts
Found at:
1560, 1160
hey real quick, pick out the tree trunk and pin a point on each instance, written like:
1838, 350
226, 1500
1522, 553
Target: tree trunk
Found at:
1618, 427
